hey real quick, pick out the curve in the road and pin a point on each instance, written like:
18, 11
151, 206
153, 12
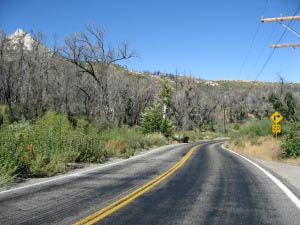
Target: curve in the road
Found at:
214, 186
284, 188
108, 210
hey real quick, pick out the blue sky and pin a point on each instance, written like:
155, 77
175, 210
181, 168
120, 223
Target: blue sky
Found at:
207, 39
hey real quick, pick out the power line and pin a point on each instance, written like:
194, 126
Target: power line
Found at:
272, 52
249, 50
262, 51
252, 41
290, 29
265, 64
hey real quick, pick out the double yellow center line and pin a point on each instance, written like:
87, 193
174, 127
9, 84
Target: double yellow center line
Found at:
106, 211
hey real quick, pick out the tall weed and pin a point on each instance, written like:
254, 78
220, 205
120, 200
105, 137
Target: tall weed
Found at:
43, 148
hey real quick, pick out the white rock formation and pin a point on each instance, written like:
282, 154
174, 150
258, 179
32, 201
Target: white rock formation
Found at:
20, 36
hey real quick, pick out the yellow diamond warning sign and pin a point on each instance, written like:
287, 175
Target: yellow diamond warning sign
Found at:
276, 117
276, 128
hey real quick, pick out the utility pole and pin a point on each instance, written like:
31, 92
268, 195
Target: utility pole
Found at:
224, 117
280, 20
285, 45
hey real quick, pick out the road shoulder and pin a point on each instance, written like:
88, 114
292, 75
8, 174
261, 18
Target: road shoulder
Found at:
289, 175
87, 168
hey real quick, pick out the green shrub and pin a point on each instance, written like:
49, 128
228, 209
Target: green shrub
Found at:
151, 119
1, 119
236, 126
251, 130
51, 131
14, 141
255, 128
88, 146
291, 141
167, 128
7, 172
72, 120
4, 114
43, 148
154, 139
207, 127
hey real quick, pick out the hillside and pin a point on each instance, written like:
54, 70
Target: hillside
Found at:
35, 81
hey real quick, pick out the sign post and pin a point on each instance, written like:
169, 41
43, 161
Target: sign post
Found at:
276, 117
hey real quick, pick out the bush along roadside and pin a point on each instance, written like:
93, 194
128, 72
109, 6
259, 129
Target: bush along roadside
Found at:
49, 144
43, 148
291, 141
254, 138
249, 131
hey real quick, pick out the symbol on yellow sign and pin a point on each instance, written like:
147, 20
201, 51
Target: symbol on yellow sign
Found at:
276, 117
276, 128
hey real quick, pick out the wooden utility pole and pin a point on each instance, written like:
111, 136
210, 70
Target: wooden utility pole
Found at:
280, 20
224, 117
285, 45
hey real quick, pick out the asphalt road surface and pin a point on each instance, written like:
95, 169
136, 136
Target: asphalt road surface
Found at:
205, 185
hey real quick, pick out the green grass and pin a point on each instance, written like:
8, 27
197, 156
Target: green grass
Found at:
43, 148
250, 130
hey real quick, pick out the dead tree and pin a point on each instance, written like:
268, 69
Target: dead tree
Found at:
93, 56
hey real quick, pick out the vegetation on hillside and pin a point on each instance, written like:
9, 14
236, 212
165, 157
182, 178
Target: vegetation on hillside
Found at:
81, 77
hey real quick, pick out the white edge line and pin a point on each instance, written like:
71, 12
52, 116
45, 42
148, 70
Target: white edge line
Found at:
284, 188
92, 169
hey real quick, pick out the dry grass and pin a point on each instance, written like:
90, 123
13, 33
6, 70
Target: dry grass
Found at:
294, 162
267, 148
117, 146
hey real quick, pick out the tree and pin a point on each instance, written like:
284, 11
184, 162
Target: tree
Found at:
277, 103
93, 56
281, 83
152, 119
166, 92
11, 71
291, 106
287, 107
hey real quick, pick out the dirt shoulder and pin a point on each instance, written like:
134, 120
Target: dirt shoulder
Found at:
266, 148
267, 153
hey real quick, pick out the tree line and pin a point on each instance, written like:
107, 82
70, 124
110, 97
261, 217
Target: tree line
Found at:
83, 77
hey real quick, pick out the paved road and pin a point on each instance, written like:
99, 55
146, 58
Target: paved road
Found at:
213, 186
